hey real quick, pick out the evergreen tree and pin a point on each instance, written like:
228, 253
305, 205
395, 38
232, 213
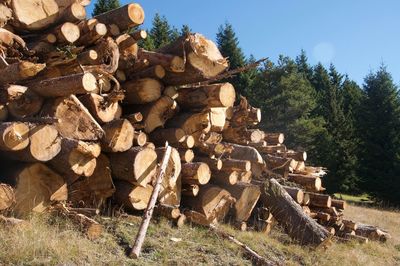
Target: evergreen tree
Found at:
303, 66
380, 116
228, 44
103, 6
185, 30
161, 32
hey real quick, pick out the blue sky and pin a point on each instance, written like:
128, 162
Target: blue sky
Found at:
355, 35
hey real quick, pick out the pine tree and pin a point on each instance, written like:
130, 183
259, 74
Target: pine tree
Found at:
303, 66
228, 44
103, 6
161, 32
380, 116
185, 30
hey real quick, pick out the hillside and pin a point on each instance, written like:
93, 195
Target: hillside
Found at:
58, 242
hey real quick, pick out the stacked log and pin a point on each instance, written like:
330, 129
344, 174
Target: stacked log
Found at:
85, 114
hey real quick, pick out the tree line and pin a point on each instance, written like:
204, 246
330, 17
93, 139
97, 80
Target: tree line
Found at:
352, 130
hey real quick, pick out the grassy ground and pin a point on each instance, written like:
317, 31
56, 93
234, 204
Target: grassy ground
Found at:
53, 241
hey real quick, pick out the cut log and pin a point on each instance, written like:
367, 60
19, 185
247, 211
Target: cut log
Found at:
94, 190
216, 95
3, 112
218, 118
274, 138
44, 145
244, 114
142, 91
273, 149
309, 182
22, 102
93, 35
190, 190
195, 173
225, 179
246, 177
125, 17
172, 135
296, 193
101, 108
180, 222
306, 199
213, 163
236, 165
191, 122
187, 155
35, 14
134, 118
7, 197
19, 71
118, 136
246, 196
372, 232
320, 200
167, 211
173, 170
297, 155
137, 165
339, 204
5, 15
133, 198
75, 159
67, 33
74, 120
153, 72
37, 187
72, 13
14, 136
350, 225
169, 62
212, 201
203, 59
139, 138
289, 214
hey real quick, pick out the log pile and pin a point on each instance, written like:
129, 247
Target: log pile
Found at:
85, 114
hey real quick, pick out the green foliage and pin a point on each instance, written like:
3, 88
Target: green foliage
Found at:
185, 30
103, 6
160, 34
380, 138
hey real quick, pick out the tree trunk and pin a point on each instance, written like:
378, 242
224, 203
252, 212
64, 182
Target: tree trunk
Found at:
372, 232
66, 85
216, 95
137, 165
125, 17
288, 213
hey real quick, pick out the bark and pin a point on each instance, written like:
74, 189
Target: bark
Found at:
172, 135
153, 72
195, 173
93, 35
19, 71
22, 102
225, 179
309, 182
246, 196
169, 62
296, 193
274, 138
372, 232
191, 122
7, 197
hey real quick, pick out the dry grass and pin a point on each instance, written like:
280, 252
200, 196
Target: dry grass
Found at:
53, 241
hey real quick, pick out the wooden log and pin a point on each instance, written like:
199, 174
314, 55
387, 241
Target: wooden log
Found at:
139, 138
264, 214
150, 207
198, 218
14, 136
246, 196
44, 144
350, 224
21, 101
137, 165
5, 14
272, 149
3, 112
236, 165
215, 95
203, 59
63, 86
274, 138
187, 155
190, 190
309, 182
320, 200
297, 155
372, 232
76, 158
167, 211
296, 193
36, 188
339, 204
172, 135
153, 72
212, 201
19, 71
244, 114
134, 118
213, 163
225, 179
93, 191
7, 197
195, 173
174, 167
264, 226
118, 136
169, 62
306, 199
245, 177
242, 135
191, 122
93, 35
34, 15
291, 216
75, 12
13, 222
125, 17
68, 111
66, 33
218, 116
180, 222
102, 108
132, 197
156, 114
